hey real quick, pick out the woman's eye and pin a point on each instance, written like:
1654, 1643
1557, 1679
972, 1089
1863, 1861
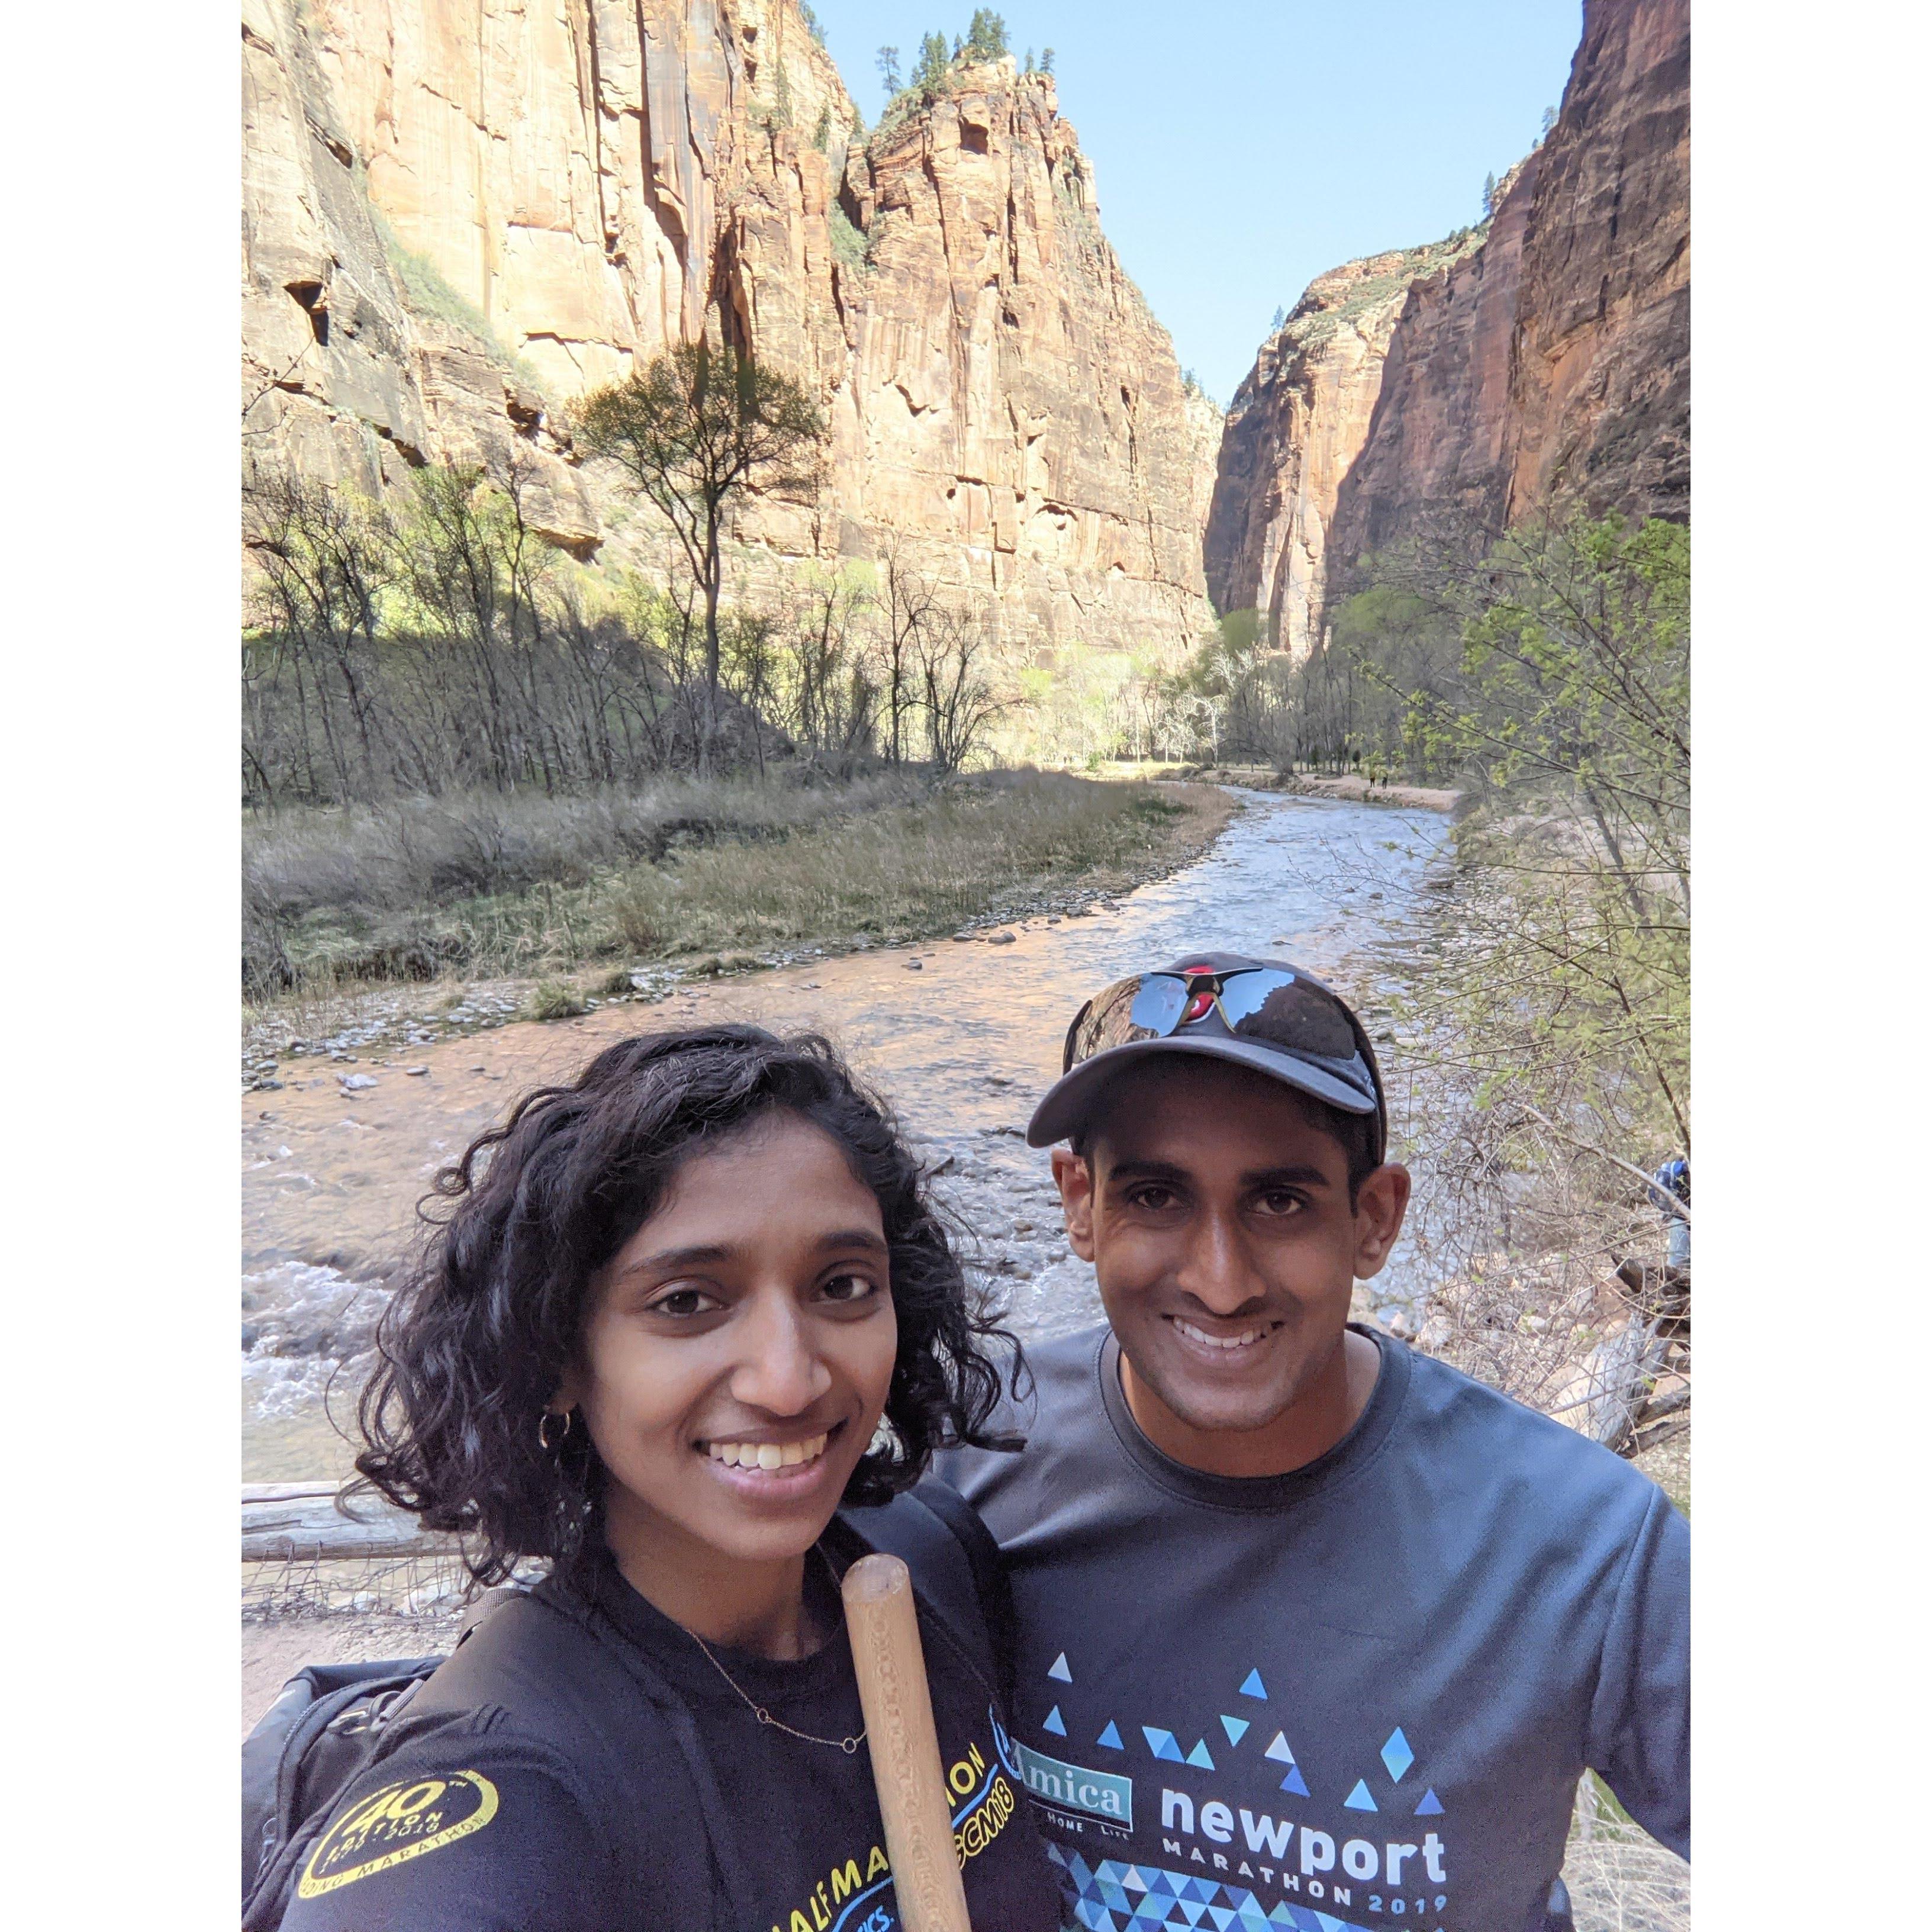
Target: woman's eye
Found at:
849, 1288
681, 1303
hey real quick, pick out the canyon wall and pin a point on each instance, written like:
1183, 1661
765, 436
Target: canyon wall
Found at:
1547, 364
1296, 424
460, 214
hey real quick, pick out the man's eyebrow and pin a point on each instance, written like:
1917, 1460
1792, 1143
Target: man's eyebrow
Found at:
1266, 1177
1146, 1170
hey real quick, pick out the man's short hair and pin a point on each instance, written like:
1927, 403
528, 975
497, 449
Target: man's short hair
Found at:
1354, 1133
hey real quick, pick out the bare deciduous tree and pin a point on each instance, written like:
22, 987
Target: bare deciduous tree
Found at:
692, 433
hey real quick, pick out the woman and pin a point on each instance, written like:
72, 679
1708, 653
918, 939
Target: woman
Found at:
653, 1343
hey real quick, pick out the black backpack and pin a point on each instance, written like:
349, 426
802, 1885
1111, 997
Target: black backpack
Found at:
317, 1737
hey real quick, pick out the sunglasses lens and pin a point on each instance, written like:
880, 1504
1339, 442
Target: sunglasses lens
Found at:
1145, 1007
1287, 1011
1158, 1004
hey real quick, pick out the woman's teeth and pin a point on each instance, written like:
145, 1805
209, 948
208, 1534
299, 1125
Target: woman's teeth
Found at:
768, 1455
1240, 1341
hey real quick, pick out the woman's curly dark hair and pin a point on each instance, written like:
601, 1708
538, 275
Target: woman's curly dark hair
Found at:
474, 1345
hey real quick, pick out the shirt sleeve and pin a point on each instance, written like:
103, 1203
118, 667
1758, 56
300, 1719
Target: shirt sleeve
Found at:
468, 1833
1639, 1740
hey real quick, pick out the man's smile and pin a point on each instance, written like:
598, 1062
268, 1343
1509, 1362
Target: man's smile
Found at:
1228, 1344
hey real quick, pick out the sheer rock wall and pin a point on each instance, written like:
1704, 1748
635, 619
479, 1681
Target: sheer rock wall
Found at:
1548, 365
1296, 424
459, 214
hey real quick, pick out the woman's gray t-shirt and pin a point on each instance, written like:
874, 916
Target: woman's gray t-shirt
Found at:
1361, 1694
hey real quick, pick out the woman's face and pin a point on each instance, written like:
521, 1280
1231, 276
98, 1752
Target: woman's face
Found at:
738, 1351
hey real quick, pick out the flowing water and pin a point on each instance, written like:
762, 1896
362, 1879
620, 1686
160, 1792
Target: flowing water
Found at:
961, 1037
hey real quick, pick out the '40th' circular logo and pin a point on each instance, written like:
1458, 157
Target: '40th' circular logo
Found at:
397, 1823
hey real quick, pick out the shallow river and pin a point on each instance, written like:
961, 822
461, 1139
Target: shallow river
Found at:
962, 1046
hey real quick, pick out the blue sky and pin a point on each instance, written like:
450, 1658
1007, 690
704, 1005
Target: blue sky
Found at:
1243, 147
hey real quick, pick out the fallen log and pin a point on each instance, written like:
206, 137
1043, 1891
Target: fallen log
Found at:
304, 1522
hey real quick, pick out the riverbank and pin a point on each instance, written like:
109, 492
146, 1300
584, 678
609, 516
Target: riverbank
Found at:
1350, 787
375, 960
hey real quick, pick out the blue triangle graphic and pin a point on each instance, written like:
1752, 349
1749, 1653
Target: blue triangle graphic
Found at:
1358, 1799
1198, 1755
1163, 1744
1058, 1671
1431, 1806
1234, 1726
1054, 1722
1293, 1782
1251, 1686
1111, 1736
1278, 1751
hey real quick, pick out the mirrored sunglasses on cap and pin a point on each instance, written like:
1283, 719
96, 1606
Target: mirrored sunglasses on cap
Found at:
1275, 1018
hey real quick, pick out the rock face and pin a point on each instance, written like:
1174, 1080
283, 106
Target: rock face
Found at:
1599, 388
1547, 363
1295, 425
1009, 389
461, 214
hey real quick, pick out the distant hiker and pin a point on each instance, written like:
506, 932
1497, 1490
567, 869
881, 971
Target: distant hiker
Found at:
653, 1343
1670, 1184
1312, 1629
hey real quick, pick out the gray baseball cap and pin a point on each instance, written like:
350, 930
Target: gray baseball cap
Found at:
1269, 1015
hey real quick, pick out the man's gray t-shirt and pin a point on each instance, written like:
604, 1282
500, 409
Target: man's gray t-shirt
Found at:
1361, 1694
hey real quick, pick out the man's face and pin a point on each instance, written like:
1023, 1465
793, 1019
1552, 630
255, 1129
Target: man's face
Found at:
1218, 1220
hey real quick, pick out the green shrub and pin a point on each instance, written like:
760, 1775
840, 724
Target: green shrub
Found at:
555, 1000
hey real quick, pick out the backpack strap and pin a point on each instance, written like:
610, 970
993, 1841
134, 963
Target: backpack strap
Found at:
956, 1564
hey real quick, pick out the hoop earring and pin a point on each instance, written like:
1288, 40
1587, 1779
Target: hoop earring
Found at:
544, 1422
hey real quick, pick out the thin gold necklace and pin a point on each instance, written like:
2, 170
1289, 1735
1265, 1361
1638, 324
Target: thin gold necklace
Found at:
848, 1745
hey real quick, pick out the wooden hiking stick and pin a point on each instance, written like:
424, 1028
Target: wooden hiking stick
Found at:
884, 1629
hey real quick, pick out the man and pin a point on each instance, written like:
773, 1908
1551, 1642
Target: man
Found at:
1313, 1631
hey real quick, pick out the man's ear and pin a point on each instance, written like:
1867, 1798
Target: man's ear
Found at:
1380, 1205
1071, 1176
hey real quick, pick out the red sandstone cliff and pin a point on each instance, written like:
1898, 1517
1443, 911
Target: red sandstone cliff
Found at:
1296, 424
1548, 365
460, 213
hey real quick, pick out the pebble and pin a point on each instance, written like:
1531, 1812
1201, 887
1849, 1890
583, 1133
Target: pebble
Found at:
416, 1072
354, 1083
915, 966
1003, 939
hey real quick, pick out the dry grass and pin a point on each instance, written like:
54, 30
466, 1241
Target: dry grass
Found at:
1620, 1878
526, 888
